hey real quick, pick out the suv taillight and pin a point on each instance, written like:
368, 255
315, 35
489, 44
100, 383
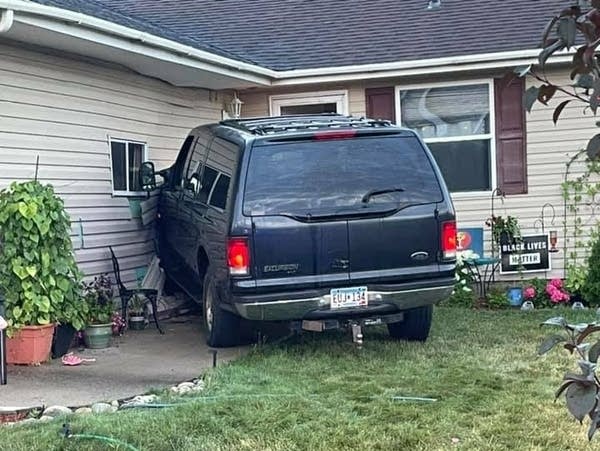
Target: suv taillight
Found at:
238, 256
449, 240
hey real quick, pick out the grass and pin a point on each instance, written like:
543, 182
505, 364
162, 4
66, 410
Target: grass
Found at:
321, 393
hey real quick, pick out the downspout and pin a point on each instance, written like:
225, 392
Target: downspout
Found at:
6, 20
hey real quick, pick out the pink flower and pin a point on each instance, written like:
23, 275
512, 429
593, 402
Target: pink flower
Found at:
529, 293
551, 289
554, 290
558, 283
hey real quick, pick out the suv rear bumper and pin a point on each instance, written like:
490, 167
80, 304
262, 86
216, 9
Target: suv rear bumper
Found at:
318, 307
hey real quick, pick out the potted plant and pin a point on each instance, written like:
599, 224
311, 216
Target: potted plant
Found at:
137, 318
98, 295
505, 230
38, 272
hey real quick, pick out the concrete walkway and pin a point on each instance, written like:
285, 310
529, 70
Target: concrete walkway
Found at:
136, 363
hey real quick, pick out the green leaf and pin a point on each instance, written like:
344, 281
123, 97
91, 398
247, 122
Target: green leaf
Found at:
585, 81
567, 30
594, 352
595, 97
31, 270
20, 272
556, 321
545, 93
581, 400
549, 343
44, 304
531, 95
522, 71
562, 388
63, 284
593, 147
56, 296
23, 209
549, 51
16, 312
559, 109
45, 260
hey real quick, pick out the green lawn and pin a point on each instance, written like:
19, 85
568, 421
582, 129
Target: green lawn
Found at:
492, 391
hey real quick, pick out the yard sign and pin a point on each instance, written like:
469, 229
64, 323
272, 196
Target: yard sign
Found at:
531, 253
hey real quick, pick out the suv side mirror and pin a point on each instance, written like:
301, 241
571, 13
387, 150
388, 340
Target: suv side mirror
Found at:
148, 176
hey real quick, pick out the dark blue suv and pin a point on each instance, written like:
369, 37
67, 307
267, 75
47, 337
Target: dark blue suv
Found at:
308, 218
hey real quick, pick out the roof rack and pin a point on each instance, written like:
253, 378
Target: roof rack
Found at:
280, 124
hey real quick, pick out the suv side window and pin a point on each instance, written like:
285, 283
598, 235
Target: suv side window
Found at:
216, 175
193, 170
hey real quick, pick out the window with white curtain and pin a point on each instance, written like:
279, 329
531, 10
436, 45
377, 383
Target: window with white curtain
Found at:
456, 123
126, 159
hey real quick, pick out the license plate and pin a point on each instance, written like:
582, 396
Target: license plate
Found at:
349, 297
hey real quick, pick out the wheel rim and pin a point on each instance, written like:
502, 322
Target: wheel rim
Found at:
208, 310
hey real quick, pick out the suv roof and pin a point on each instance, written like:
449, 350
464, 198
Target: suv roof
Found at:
301, 123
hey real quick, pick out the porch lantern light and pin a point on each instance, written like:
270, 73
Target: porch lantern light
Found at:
235, 107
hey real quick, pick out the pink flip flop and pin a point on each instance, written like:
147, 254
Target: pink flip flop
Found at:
72, 360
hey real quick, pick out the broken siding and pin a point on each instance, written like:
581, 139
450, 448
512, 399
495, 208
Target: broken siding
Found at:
63, 111
548, 149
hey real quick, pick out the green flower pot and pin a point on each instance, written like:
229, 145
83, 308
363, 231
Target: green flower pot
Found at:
97, 336
137, 323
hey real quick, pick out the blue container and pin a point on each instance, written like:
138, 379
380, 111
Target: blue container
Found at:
515, 296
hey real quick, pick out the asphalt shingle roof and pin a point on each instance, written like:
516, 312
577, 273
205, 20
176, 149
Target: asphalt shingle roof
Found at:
302, 34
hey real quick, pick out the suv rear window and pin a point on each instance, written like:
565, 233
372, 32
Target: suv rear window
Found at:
316, 176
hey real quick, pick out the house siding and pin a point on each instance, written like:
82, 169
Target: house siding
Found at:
63, 110
549, 147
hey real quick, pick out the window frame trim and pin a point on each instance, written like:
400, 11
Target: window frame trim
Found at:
491, 135
125, 193
339, 97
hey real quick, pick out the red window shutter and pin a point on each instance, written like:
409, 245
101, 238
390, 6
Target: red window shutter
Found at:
381, 103
511, 149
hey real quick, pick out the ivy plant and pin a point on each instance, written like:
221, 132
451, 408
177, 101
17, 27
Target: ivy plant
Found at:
38, 273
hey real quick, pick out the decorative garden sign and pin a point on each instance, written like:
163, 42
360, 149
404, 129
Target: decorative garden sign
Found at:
528, 255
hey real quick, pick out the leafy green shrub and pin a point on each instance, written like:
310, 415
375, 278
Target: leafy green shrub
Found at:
591, 288
461, 297
496, 299
38, 273
98, 295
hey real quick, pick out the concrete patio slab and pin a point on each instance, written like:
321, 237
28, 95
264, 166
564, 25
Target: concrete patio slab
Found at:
136, 363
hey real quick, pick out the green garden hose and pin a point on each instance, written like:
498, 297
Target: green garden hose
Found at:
66, 432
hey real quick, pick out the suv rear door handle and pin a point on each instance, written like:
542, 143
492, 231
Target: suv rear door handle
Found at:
340, 263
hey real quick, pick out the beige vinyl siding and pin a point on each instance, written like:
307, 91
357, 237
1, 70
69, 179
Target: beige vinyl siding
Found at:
548, 150
63, 110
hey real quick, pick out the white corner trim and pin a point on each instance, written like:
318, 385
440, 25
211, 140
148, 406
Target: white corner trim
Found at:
6, 20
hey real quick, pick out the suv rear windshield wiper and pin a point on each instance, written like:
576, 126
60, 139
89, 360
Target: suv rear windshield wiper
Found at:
343, 214
376, 192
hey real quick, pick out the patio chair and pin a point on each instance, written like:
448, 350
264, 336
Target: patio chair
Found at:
127, 293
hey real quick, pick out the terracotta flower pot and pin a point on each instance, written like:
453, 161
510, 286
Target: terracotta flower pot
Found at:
30, 345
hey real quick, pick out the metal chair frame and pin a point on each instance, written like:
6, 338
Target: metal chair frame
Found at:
127, 293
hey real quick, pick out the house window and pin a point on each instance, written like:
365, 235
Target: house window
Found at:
309, 103
456, 123
126, 159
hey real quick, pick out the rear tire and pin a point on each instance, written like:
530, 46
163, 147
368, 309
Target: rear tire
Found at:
415, 327
222, 327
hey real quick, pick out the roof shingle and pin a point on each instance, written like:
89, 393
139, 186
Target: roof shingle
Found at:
302, 34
